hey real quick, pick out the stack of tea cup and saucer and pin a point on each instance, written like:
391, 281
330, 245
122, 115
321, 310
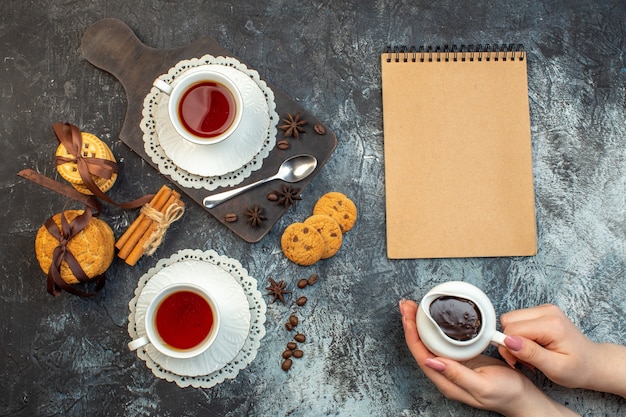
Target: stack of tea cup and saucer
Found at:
197, 318
209, 122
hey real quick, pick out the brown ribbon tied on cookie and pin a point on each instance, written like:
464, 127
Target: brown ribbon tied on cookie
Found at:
67, 191
61, 253
70, 136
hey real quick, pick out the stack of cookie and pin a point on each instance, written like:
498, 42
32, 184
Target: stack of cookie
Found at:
321, 235
92, 147
92, 247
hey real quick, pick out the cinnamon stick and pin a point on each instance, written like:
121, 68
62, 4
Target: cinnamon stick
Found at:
159, 199
138, 250
144, 224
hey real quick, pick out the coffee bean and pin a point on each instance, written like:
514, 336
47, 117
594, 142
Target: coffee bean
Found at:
293, 320
286, 364
287, 354
300, 338
272, 197
289, 326
312, 279
297, 353
303, 283
283, 144
230, 218
292, 345
301, 301
319, 129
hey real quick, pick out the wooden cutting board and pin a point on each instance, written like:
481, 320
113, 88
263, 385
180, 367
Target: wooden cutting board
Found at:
111, 45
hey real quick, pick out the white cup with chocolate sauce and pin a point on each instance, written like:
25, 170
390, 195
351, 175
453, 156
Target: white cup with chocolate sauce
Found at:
457, 320
205, 106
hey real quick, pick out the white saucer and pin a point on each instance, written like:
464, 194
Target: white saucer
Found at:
230, 154
233, 305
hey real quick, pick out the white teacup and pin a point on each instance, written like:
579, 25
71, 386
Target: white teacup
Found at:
440, 343
205, 106
182, 321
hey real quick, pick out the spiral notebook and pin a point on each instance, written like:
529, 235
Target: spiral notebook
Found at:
457, 148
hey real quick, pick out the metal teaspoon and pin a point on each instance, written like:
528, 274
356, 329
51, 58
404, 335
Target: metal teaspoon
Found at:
293, 169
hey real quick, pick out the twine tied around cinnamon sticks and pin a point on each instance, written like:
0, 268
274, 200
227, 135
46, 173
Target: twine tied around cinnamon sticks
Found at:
163, 221
146, 233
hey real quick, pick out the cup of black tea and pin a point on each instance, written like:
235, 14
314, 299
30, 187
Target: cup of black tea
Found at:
205, 106
182, 321
457, 320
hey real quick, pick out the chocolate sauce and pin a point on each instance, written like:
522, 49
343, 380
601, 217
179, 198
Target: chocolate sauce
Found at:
458, 317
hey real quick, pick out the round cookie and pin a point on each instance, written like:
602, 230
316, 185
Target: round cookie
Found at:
92, 147
93, 247
339, 207
302, 244
105, 184
330, 231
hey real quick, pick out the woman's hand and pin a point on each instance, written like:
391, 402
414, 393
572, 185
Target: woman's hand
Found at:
545, 338
482, 382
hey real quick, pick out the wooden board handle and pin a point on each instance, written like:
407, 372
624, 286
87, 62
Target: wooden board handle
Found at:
111, 45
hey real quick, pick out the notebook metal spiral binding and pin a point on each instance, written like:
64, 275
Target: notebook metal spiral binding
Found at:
504, 52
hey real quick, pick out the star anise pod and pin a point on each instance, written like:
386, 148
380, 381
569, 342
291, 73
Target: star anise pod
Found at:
287, 195
293, 125
255, 216
278, 290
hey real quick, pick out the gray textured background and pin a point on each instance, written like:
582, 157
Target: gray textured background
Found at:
68, 356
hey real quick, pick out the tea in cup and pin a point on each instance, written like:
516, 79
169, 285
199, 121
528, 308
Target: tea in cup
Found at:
457, 320
182, 321
205, 106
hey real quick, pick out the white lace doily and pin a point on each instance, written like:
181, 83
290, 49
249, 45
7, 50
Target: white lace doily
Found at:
167, 166
257, 319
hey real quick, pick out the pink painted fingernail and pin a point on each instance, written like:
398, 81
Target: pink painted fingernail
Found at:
514, 343
435, 364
